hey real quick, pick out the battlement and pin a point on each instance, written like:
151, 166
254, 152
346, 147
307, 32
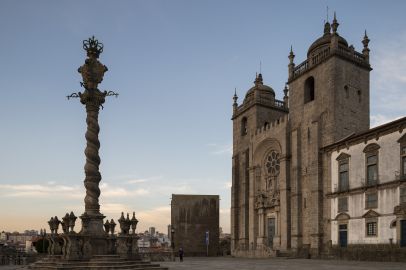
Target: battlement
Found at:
280, 122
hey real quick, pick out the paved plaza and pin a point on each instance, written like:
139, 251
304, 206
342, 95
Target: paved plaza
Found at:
228, 263
225, 263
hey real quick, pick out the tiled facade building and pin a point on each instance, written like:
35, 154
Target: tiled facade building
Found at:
308, 172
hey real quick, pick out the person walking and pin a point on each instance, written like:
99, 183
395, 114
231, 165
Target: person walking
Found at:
181, 254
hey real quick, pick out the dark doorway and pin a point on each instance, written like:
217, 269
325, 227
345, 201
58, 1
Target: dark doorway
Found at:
403, 233
343, 235
271, 231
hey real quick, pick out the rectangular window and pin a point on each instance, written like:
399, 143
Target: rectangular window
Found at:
404, 166
371, 228
403, 158
402, 192
342, 227
372, 170
371, 200
343, 180
343, 204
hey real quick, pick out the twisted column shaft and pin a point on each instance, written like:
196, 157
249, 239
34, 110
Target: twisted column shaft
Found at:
92, 172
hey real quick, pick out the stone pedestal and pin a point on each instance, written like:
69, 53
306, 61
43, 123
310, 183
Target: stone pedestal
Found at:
92, 224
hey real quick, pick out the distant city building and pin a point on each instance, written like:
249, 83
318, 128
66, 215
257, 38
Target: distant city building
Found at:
195, 222
3, 236
22, 242
150, 243
152, 231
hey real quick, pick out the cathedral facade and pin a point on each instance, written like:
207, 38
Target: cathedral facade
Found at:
285, 171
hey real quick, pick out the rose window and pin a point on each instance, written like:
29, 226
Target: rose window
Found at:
272, 163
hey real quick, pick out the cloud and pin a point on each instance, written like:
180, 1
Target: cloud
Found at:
136, 181
380, 119
40, 190
228, 184
144, 180
178, 188
388, 80
225, 219
63, 191
221, 149
114, 209
159, 216
112, 191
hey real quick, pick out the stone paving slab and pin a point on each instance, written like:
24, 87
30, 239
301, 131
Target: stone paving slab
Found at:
228, 263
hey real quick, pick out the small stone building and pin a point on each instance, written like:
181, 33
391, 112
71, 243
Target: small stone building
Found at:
193, 218
285, 164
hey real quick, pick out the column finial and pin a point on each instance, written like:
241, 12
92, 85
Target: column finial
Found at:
335, 24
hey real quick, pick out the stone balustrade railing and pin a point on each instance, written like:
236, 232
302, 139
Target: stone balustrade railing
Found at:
72, 246
348, 53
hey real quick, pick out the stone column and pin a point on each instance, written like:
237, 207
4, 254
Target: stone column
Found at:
284, 214
92, 74
251, 212
315, 201
296, 194
92, 100
261, 227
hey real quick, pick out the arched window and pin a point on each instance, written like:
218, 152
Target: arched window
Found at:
244, 127
309, 90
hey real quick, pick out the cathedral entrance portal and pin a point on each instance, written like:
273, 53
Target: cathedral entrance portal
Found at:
271, 231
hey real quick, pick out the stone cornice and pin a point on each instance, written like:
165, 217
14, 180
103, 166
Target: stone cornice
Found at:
362, 189
373, 133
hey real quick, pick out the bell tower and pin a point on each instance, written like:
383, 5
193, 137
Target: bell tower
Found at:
328, 101
258, 110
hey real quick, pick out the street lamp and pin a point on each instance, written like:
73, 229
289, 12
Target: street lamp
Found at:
173, 241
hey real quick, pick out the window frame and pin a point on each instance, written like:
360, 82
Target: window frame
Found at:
366, 200
340, 209
342, 159
371, 150
371, 221
402, 189
403, 160
346, 185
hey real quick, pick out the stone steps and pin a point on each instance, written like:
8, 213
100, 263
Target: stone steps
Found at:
95, 263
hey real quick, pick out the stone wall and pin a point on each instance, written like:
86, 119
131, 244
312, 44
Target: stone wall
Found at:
378, 252
191, 217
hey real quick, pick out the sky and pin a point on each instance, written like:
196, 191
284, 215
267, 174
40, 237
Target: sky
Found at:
175, 65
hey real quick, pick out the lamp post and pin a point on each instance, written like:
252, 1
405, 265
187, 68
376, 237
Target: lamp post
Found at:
173, 241
92, 74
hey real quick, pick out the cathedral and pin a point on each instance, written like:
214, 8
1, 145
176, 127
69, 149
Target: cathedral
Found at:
309, 176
